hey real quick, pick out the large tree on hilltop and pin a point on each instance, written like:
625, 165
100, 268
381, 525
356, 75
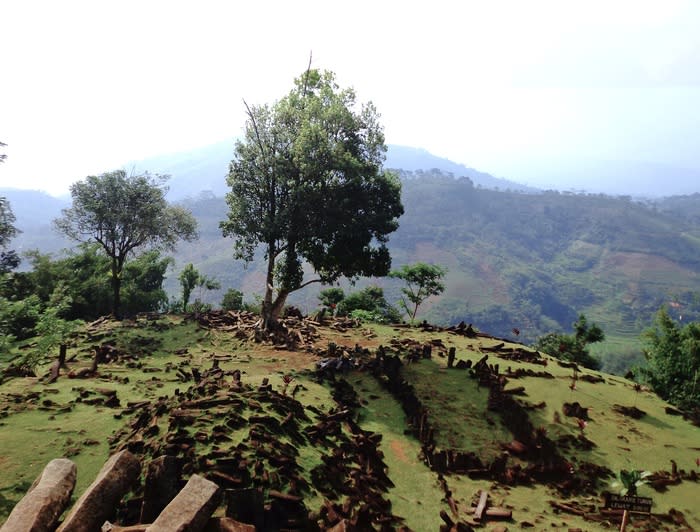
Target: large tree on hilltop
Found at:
123, 213
307, 184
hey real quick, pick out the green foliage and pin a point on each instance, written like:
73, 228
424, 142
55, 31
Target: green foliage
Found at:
7, 220
122, 213
51, 328
190, 278
422, 280
307, 183
142, 287
18, 318
673, 360
9, 259
573, 348
233, 300
85, 276
369, 316
371, 303
629, 481
330, 297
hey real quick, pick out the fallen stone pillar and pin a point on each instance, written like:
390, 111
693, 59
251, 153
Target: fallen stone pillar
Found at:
46, 499
100, 499
191, 509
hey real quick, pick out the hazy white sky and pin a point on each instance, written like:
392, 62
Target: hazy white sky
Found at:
504, 86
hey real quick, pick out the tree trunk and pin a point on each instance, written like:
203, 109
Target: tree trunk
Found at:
60, 363
116, 289
277, 307
268, 319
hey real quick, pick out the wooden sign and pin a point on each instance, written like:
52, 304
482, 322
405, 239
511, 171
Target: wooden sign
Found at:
628, 502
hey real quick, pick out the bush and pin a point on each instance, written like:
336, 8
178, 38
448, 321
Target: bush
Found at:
371, 300
233, 300
573, 347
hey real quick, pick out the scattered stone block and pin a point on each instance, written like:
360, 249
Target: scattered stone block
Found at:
160, 487
100, 499
191, 509
47, 498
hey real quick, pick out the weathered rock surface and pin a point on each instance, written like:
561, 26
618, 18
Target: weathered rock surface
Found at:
191, 509
100, 500
46, 499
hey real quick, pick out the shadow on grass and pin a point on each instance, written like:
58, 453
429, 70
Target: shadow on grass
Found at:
656, 422
7, 504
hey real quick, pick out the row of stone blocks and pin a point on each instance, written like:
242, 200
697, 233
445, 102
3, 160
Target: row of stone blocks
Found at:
48, 497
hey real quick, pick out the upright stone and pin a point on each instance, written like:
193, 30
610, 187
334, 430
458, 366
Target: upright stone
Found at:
191, 509
46, 499
451, 356
160, 487
100, 500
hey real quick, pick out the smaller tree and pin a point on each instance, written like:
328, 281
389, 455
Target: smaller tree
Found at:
370, 304
574, 347
233, 300
190, 278
422, 280
123, 213
330, 297
54, 331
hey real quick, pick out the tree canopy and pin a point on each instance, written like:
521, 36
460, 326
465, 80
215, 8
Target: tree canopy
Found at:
307, 184
8, 258
190, 278
573, 347
673, 360
122, 213
422, 281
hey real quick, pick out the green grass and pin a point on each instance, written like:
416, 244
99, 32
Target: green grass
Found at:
31, 433
416, 495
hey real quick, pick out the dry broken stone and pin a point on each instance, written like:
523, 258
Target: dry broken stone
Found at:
46, 499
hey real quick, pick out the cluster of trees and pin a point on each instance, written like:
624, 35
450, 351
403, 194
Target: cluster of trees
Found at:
573, 347
672, 352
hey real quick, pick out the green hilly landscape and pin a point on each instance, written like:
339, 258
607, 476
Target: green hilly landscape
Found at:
531, 260
422, 434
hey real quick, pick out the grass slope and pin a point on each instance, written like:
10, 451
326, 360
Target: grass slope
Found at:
154, 375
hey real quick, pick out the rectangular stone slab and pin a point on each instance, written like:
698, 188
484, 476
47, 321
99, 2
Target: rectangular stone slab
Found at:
101, 498
190, 510
46, 499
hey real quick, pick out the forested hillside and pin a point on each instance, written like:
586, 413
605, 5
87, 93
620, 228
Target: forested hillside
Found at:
531, 261
516, 260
